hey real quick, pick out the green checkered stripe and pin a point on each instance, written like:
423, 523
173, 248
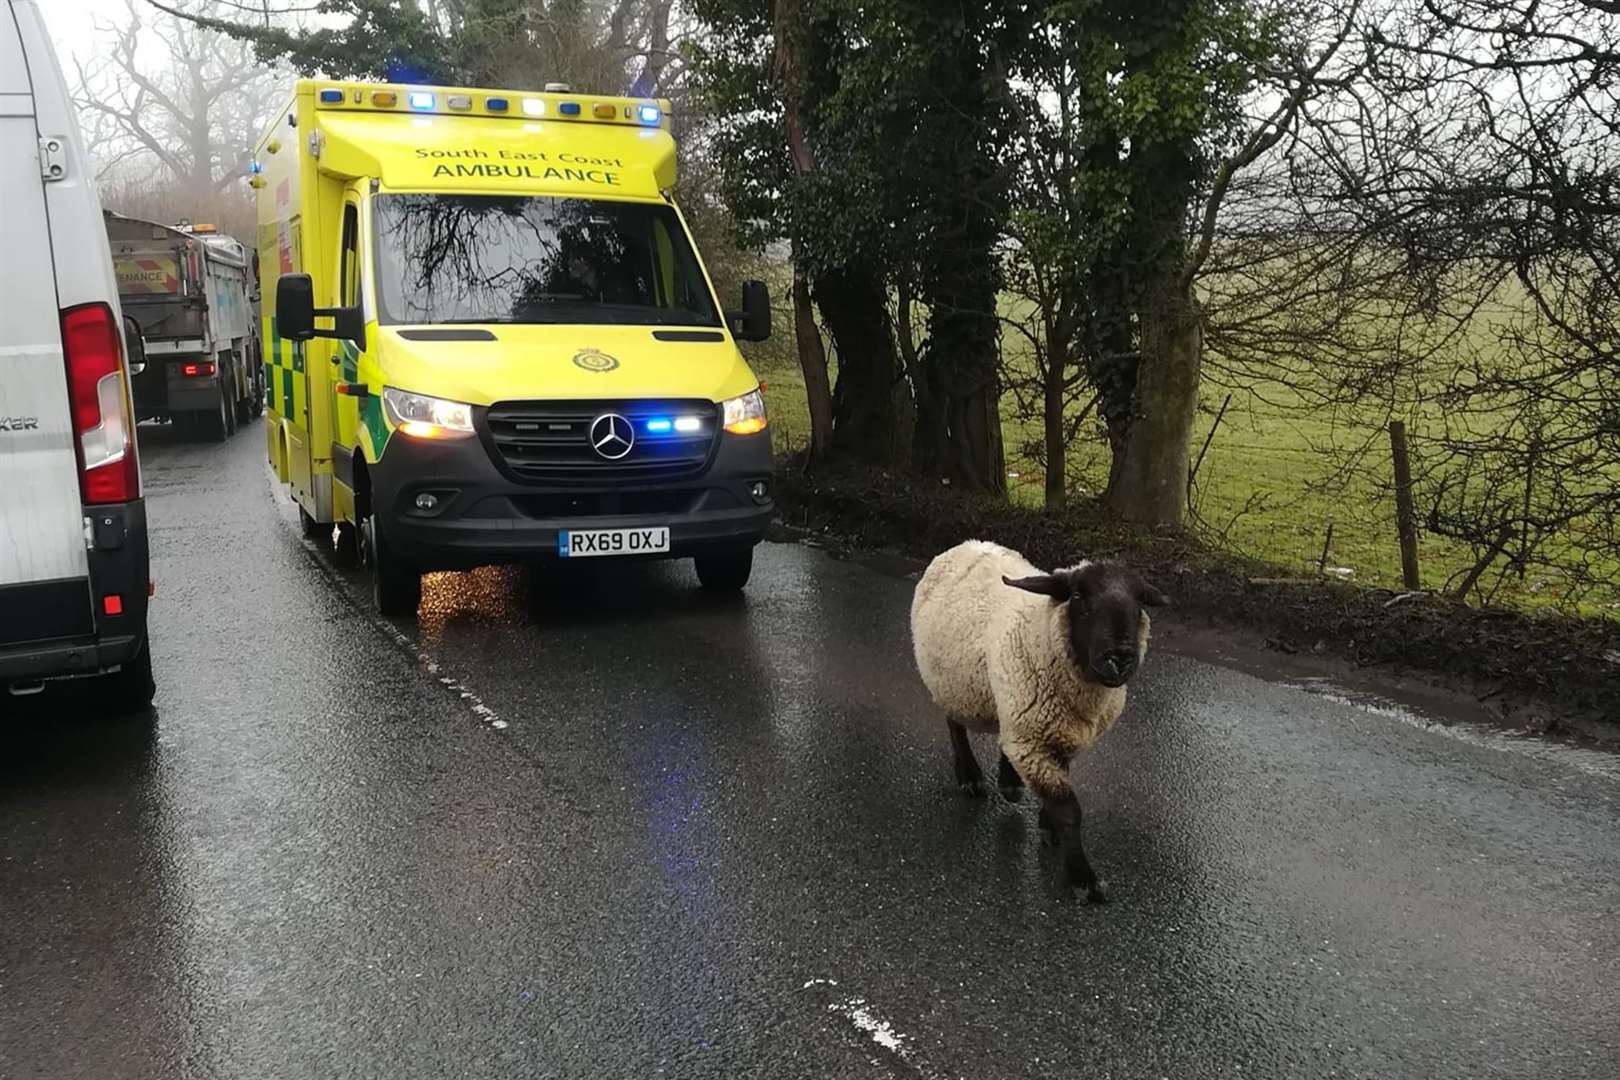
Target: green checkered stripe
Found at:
284, 360
371, 415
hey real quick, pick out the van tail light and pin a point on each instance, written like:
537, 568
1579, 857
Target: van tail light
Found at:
109, 471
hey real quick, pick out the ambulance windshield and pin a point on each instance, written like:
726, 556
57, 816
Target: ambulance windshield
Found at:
534, 259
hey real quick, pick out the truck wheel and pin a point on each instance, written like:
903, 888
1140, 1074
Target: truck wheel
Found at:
396, 588
230, 403
130, 688
725, 571
215, 426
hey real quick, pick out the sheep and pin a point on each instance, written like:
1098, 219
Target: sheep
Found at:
1044, 663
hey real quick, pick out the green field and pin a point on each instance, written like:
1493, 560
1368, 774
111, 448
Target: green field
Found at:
1267, 488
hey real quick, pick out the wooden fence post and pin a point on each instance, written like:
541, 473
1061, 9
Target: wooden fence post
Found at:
1404, 519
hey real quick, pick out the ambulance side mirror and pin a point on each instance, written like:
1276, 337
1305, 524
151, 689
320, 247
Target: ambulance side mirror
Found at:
753, 322
295, 307
296, 313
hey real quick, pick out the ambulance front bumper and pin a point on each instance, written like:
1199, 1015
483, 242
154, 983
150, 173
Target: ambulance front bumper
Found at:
448, 506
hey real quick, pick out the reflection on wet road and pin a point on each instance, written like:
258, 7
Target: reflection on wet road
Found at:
614, 827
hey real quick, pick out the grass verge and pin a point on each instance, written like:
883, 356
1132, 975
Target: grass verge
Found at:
1514, 657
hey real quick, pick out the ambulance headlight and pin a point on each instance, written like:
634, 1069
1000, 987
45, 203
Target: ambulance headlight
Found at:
744, 415
423, 417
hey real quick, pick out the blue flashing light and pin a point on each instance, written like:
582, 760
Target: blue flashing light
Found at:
650, 114
496, 104
568, 108
332, 97
421, 100
660, 426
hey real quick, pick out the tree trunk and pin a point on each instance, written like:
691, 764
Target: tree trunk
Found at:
813, 361
1152, 484
788, 70
866, 399
1111, 356
1057, 447
964, 439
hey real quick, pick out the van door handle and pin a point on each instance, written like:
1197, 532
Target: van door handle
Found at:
352, 389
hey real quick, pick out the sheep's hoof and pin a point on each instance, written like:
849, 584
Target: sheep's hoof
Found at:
1098, 893
1012, 793
973, 788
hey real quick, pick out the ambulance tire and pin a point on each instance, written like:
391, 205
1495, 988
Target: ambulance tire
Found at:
130, 688
725, 571
396, 588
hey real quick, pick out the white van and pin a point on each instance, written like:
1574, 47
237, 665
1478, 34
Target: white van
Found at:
73, 556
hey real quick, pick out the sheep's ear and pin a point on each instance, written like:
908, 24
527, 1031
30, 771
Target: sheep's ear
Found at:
1054, 585
1148, 596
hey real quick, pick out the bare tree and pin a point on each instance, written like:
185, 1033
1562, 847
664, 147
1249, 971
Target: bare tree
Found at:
167, 90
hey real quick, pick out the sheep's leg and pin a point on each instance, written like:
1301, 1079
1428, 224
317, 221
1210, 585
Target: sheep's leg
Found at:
1007, 778
1064, 813
969, 777
1060, 817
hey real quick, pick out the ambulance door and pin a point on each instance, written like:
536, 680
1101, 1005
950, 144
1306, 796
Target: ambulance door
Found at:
292, 396
346, 362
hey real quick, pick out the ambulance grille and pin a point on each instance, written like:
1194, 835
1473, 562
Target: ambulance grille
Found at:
550, 441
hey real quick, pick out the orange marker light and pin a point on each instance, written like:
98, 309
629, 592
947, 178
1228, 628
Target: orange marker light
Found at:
384, 99
749, 426
421, 429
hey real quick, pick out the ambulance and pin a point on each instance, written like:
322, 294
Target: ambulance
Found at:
489, 337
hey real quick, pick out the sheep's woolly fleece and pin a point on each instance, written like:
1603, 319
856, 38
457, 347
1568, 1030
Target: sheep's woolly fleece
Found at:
988, 651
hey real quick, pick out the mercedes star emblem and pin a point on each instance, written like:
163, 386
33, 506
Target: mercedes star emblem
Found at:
612, 436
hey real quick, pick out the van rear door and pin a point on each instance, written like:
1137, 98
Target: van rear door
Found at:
44, 573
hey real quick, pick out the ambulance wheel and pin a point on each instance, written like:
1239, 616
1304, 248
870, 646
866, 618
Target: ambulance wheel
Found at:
130, 688
725, 571
396, 588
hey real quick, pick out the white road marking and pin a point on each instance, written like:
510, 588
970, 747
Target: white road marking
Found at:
474, 703
1597, 763
871, 1024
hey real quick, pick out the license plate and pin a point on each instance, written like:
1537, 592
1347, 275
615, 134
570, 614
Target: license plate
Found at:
582, 543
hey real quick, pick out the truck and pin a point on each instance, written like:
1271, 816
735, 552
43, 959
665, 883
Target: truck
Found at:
193, 293
491, 339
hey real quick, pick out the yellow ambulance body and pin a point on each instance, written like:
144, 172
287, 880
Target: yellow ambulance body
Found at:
489, 338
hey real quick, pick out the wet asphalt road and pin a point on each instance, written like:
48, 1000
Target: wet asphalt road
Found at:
629, 830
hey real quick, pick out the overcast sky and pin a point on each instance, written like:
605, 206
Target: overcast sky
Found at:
72, 24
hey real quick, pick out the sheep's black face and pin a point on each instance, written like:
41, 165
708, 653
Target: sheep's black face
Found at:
1105, 615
